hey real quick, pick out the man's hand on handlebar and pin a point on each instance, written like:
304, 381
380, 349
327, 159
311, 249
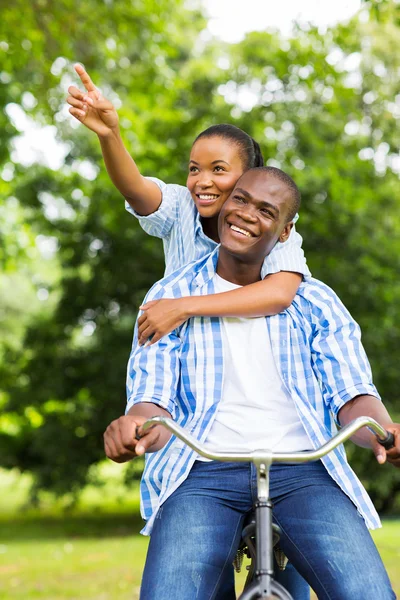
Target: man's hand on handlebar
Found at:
124, 440
393, 454
369, 406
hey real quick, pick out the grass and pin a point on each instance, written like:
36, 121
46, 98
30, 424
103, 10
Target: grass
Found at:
94, 552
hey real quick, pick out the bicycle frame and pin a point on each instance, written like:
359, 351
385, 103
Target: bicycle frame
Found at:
264, 587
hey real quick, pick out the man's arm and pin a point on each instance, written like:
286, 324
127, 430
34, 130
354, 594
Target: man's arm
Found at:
151, 386
124, 440
342, 367
369, 406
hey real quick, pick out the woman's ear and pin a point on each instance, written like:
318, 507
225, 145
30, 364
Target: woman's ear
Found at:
286, 232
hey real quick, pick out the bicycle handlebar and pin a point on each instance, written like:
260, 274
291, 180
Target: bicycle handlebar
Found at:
385, 438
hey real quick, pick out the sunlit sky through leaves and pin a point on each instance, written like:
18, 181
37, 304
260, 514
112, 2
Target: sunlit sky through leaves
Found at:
229, 21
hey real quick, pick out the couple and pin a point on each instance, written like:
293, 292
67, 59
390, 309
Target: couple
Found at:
282, 382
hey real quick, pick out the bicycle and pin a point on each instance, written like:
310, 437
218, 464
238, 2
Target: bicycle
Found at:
260, 583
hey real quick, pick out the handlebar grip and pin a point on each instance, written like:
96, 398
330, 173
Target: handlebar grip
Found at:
388, 441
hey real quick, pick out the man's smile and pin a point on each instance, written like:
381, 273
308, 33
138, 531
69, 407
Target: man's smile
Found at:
241, 230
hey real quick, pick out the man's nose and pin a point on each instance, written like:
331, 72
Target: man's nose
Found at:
247, 213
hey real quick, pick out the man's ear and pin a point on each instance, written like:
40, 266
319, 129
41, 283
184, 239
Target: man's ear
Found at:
286, 232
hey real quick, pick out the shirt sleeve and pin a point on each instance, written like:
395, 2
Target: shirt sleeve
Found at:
159, 223
287, 256
153, 371
339, 359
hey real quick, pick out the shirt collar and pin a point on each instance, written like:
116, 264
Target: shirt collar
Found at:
207, 268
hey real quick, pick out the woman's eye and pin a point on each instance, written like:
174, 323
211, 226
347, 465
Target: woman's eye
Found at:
193, 169
219, 169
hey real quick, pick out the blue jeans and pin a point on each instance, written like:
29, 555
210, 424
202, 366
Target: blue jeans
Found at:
198, 528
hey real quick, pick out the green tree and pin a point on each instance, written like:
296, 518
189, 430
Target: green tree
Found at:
63, 370
325, 107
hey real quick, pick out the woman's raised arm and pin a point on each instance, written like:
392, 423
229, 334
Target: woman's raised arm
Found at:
99, 115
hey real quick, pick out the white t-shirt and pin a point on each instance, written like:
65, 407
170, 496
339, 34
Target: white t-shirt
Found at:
256, 411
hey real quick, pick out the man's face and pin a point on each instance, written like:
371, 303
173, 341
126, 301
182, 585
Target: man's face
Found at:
254, 217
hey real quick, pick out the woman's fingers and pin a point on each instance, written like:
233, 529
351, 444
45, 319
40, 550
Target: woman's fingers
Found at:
76, 92
145, 328
154, 338
148, 304
100, 104
85, 101
76, 103
84, 77
145, 335
78, 114
143, 324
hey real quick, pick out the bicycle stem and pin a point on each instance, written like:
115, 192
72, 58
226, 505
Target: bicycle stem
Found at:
264, 538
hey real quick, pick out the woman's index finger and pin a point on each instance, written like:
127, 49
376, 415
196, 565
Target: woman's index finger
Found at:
84, 77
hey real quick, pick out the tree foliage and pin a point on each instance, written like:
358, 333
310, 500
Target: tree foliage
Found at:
325, 107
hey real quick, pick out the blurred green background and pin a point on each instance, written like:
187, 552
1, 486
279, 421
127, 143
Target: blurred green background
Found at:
74, 266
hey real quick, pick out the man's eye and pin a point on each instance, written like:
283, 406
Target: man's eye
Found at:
239, 199
267, 212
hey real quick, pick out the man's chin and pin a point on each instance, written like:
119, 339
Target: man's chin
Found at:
238, 248
246, 249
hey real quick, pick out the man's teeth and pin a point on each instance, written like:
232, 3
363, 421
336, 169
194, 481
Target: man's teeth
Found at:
207, 196
243, 231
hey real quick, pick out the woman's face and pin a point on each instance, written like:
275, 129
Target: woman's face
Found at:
215, 165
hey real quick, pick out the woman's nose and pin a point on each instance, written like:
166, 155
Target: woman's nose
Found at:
204, 180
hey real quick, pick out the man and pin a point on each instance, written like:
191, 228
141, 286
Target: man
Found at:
279, 382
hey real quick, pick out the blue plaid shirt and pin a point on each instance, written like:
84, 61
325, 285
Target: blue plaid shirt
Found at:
317, 349
177, 223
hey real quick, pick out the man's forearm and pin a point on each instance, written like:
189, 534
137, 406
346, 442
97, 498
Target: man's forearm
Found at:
149, 410
361, 406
